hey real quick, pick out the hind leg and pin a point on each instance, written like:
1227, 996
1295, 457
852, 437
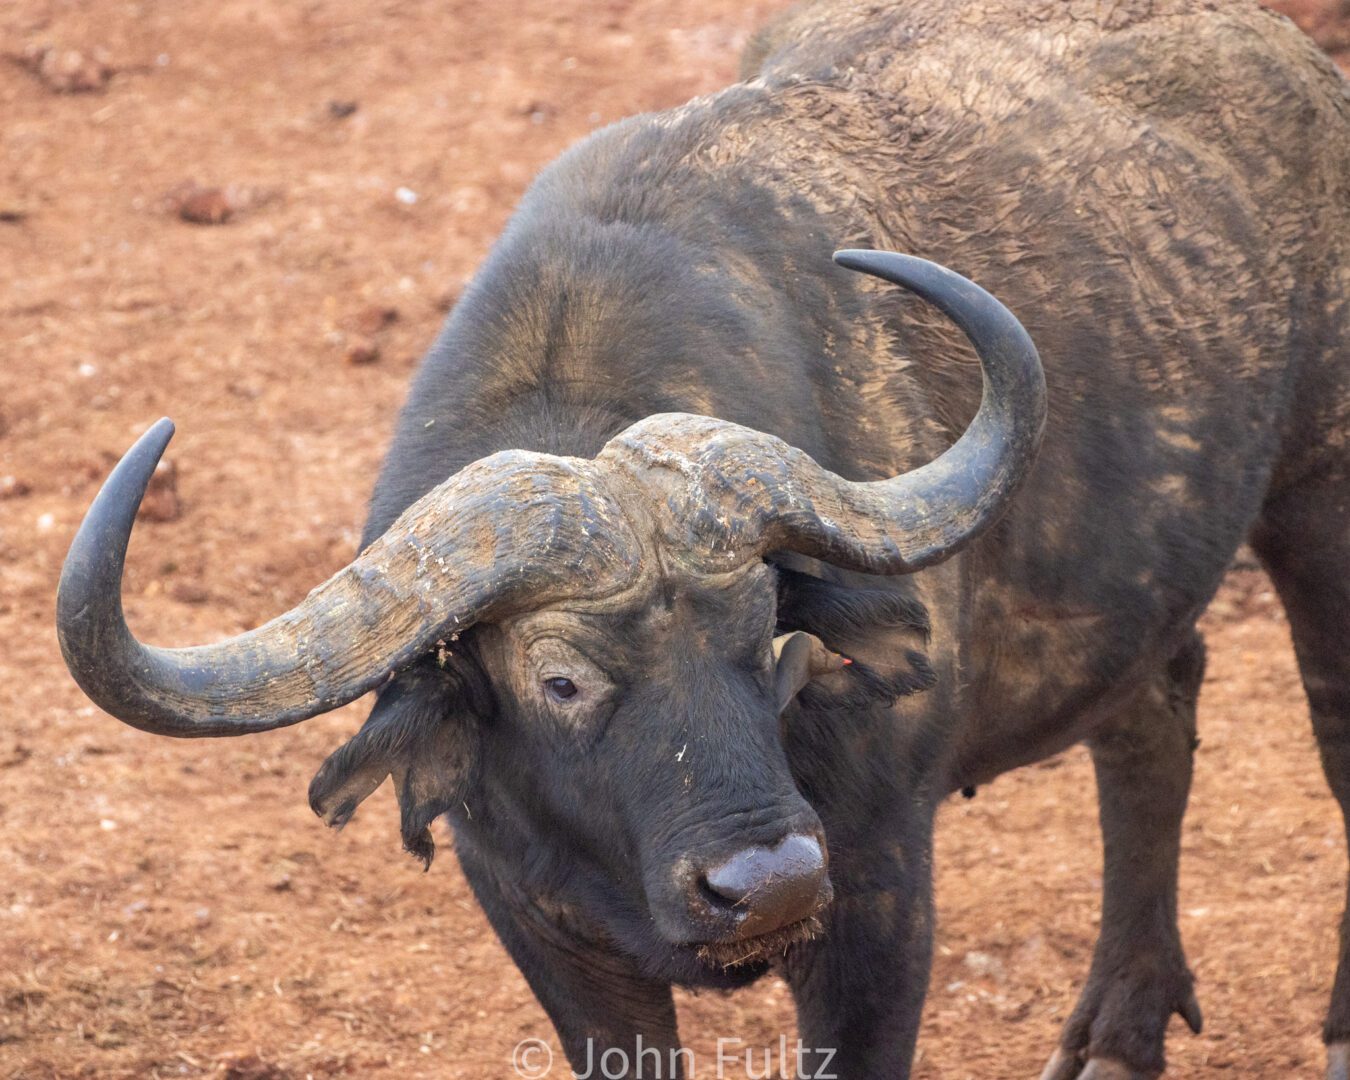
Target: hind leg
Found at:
1139, 977
1304, 540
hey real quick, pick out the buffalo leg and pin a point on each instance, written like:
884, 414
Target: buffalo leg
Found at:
1303, 539
611, 1020
859, 988
1142, 758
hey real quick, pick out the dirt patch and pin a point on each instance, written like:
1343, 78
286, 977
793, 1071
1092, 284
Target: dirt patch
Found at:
174, 909
1326, 21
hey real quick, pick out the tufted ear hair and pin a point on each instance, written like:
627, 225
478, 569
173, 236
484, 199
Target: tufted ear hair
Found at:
851, 619
800, 657
423, 731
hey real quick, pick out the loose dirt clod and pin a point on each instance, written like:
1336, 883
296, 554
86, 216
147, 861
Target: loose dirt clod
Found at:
207, 205
69, 71
375, 318
202, 205
362, 350
11, 487
188, 592
254, 1068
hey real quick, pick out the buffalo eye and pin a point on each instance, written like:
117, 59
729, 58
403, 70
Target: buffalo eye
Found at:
560, 689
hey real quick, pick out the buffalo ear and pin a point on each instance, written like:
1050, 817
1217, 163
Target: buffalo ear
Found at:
800, 657
423, 731
881, 627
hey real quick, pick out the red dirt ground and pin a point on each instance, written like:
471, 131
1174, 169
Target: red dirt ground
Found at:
173, 908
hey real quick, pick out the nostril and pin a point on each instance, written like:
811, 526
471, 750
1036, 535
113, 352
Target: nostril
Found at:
769, 887
719, 897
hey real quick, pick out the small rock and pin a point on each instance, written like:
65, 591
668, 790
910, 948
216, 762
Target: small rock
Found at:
253, 1068
406, 195
12, 211
448, 299
374, 319
362, 350
245, 390
983, 964
205, 205
340, 110
70, 71
538, 112
202, 205
46, 523
161, 502
188, 592
11, 487
280, 883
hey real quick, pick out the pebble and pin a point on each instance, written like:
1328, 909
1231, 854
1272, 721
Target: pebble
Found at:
362, 350
70, 71
375, 318
204, 206
188, 592
11, 487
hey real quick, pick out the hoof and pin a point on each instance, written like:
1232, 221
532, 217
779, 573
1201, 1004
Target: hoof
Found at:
1066, 1066
1061, 1066
1338, 1061
1106, 1069
1119, 1025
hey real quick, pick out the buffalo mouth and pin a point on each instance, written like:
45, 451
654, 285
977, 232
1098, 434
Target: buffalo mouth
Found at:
761, 948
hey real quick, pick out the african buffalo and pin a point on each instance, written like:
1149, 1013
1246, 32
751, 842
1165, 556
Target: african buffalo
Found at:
667, 466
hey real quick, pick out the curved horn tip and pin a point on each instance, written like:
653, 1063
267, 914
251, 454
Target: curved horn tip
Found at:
850, 257
159, 433
128, 479
88, 594
145, 452
893, 266
116, 504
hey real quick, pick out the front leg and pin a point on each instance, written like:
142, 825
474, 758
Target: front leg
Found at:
860, 986
1139, 976
612, 1021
